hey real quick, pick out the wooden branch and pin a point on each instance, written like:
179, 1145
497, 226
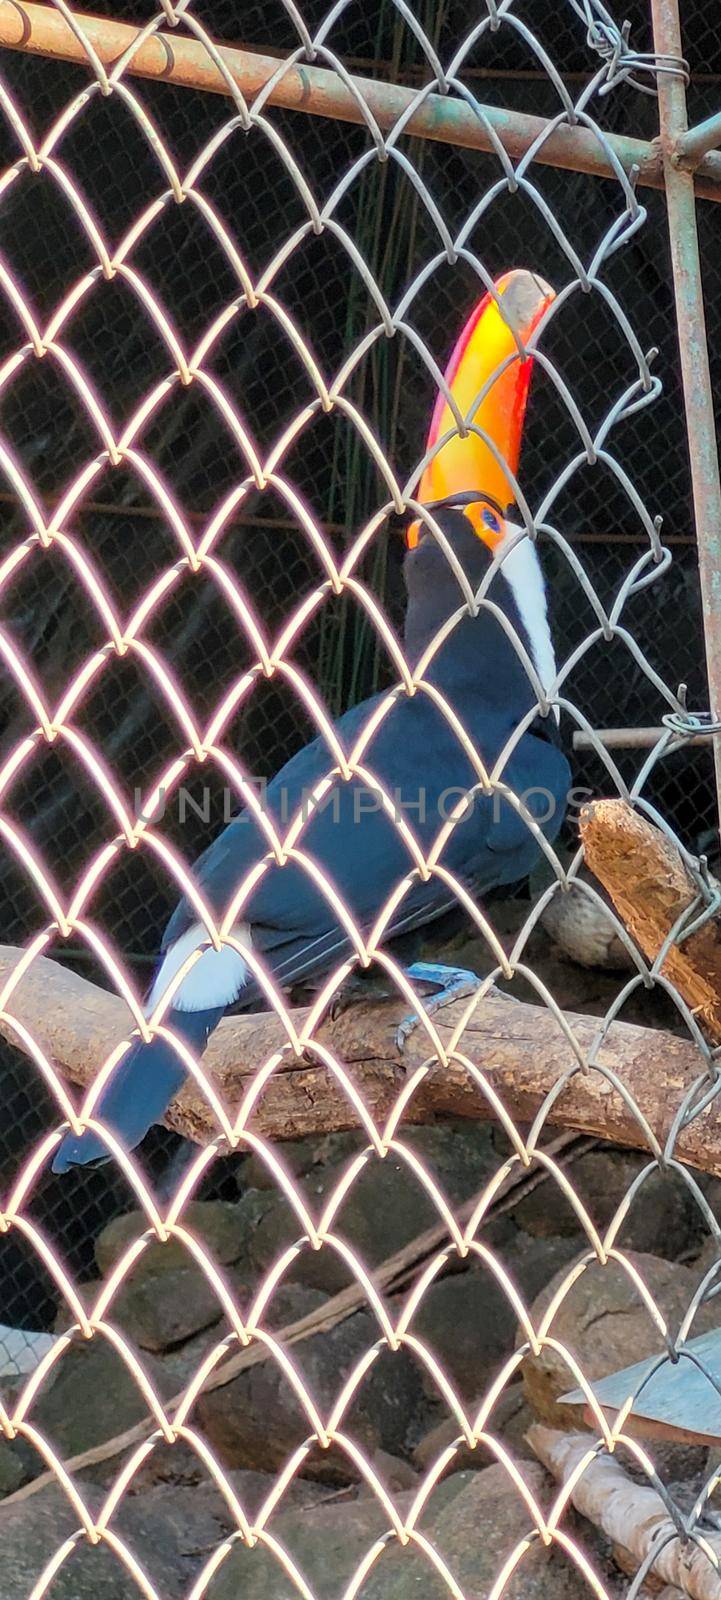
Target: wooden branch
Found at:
632, 1515
645, 876
521, 1050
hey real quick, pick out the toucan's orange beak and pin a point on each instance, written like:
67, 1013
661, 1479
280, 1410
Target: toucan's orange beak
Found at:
486, 460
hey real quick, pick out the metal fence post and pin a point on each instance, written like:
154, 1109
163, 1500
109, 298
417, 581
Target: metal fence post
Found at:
691, 326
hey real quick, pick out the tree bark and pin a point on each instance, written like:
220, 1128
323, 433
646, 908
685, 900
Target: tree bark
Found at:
632, 1515
650, 886
520, 1050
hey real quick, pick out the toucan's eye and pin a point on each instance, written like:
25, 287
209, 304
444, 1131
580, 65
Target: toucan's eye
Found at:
490, 520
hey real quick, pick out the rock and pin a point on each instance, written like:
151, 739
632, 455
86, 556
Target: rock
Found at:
327, 1544
161, 1310
19, 1459
396, 1475
605, 1325
386, 1206
467, 1318
300, 1156
510, 1418
13, 1470
216, 1222
89, 1396
182, 1362
663, 1219
253, 1488
164, 1309
475, 1535
169, 1531
530, 1262
172, 1532
474, 1520
87, 1294
179, 1466
166, 1297
469, 1325
327, 1541
709, 1255
257, 1420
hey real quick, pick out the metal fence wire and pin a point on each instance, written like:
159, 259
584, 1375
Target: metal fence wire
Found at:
293, 1342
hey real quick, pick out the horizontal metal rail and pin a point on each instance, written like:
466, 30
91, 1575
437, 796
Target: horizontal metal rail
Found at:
318, 91
692, 146
634, 738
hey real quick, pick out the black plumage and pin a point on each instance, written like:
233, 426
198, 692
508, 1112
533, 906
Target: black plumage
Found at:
424, 769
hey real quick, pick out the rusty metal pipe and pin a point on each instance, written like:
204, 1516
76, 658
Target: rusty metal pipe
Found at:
634, 739
693, 347
693, 145
176, 58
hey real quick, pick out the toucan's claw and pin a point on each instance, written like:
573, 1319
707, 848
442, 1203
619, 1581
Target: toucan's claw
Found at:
453, 983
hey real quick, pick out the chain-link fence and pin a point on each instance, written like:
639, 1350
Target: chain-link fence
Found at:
294, 1342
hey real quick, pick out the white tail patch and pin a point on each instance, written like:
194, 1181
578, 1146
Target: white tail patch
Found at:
216, 979
522, 570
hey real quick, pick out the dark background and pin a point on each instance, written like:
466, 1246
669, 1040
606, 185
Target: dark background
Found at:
130, 541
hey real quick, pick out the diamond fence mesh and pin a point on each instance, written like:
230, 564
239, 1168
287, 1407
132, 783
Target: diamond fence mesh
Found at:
224, 327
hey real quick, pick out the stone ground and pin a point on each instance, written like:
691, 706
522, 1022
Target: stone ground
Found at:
173, 1516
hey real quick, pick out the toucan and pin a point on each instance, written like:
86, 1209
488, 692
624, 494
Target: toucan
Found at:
478, 644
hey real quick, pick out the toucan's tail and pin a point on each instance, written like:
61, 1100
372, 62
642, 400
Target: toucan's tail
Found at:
139, 1091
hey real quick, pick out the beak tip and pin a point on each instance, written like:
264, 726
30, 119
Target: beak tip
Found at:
543, 286
524, 296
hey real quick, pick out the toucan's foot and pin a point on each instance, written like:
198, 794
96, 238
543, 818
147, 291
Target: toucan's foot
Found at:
452, 983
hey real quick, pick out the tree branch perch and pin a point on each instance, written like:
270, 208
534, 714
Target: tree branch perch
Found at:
632, 1515
521, 1050
651, 887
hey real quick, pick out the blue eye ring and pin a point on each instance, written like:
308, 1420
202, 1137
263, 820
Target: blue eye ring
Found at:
490, 520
